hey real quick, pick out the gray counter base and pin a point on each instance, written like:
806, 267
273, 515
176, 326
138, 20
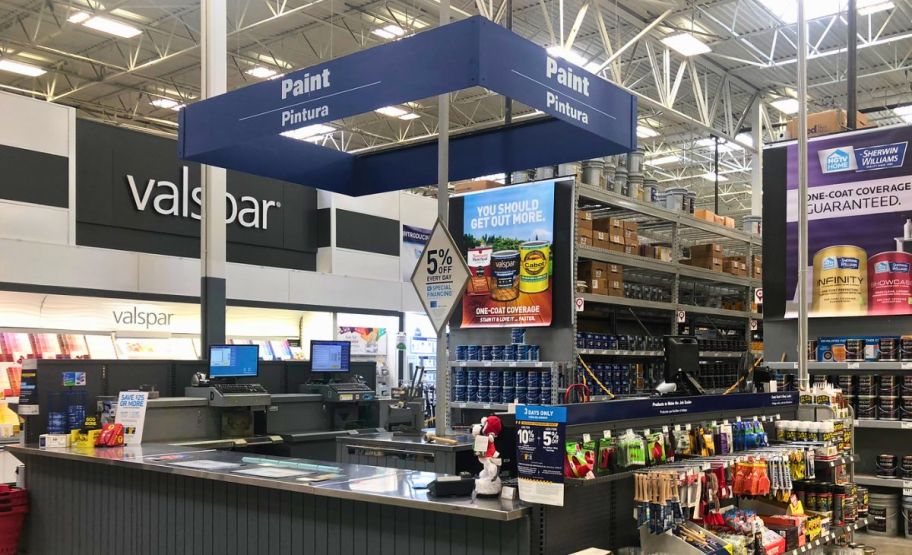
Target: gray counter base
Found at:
86, 508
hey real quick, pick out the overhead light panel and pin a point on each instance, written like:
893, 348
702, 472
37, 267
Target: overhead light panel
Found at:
787, 106
686, 44
787, 10
745, 138
663, 160
409, 116
389, 32
308, 132
710, 176
21, 68
391, 111
104, 24
903, 110
167, 104
568, 54
646, 132
724, 146
876, 7
261, 72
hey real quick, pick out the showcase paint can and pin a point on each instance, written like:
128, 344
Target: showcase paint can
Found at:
505, 275
840, 281
535, 266
889, 283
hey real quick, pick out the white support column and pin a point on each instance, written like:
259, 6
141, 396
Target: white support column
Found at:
442, 409
803, 377
214, 20
756, 123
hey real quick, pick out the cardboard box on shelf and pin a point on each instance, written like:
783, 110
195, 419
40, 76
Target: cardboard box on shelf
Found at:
469, 186
600, 240
584, 225
707, 250
720, 220
584, 240
616, 287
714, 263
707, 215
663, 253
632, 249
616, 247
633, 241
824, 123
584, 215
598, 286
608, 225
584, 233
729, 222
617, 238
590, 269
648, 251
630, 225
615, 270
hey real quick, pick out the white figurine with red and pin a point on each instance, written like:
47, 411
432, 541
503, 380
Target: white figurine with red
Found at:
488, 482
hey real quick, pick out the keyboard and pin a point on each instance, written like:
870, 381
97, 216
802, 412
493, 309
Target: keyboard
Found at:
239, 388
350, 387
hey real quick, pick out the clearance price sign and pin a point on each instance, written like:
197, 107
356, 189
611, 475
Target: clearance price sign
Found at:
540, 437
509, 233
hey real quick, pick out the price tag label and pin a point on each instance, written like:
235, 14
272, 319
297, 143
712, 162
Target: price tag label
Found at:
906, 366
737, 419
539, 364
481, 444
725, 422
687, 427
486, 364
907, 491
677, 427
853, 365
907, 484
906, 425
664, 429
606, 434
512, 365
646, 432
486, 406
587, 438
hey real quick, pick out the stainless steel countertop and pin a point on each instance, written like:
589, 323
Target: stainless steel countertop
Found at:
402, 441
386, 486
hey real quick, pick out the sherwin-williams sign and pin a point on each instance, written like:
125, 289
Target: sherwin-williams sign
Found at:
508, 234
859, 229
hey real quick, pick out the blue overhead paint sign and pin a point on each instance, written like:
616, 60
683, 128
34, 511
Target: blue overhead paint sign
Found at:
243, 129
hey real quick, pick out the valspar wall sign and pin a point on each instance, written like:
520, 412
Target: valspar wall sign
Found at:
134, 194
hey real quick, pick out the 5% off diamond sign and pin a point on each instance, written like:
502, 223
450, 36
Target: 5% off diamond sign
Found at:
440, 276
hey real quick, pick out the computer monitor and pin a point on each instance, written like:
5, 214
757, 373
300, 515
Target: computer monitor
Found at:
330, 356
681, 352
234, 361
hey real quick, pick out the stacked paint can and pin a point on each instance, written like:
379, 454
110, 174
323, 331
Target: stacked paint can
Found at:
883, 514
497, 386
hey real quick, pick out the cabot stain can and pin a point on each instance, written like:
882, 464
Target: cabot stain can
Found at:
889, 283
535, 266
840, 281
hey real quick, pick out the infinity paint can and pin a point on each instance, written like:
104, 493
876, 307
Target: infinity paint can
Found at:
840, 281
535, 266
889, 283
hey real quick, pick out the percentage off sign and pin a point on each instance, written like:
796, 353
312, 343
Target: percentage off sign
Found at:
438, 258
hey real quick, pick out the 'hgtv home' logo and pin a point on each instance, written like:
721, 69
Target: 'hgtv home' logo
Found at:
840, 159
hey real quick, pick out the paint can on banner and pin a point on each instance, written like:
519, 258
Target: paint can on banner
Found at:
505, 275
462, 352
497, 352
535, 266
889, 283
840, 274
518, 336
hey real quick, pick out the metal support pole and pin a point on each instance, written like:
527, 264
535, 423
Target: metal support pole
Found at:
756, 123
852, 67
803, 380
716, 169
442, 420
214, 52
508, 102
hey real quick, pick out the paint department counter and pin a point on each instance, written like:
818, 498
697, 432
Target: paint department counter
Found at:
165, 499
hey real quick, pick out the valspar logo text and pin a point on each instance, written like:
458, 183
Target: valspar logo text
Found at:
142, 318
835, 160
182, 201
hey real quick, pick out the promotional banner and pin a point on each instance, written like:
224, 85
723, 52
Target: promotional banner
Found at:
540, 437
859, 228
131, 413
508, 234
364, 341
413, 240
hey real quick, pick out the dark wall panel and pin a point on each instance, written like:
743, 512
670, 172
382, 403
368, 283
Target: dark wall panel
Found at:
363, 232
775, 173
36, 177
134, 194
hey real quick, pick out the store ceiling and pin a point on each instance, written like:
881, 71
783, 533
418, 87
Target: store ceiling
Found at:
130, 62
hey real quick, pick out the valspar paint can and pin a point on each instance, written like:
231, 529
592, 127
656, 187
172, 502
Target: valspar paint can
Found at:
535, 266
505, 275
889, 283
840, 281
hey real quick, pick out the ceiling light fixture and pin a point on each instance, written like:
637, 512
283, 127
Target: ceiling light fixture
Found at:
104, 24
568, 54
391, 111
787, 106
663, 160
389, 32
308, 132
409, 116
261, 72
710, 176
167, 104
787, 10
686, 44
875, 7
903, 110
20, 68
646, 132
